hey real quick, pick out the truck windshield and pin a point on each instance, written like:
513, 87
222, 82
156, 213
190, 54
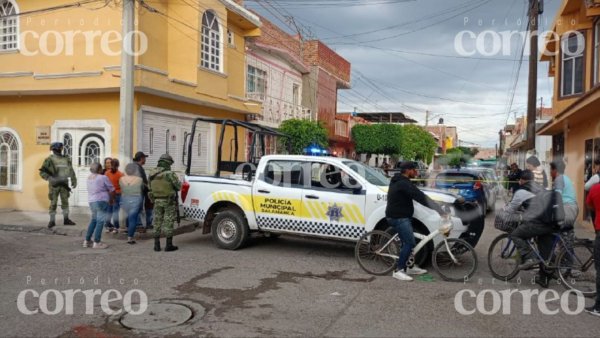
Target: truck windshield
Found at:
371, 175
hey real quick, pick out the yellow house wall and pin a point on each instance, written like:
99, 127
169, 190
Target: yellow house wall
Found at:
156, 30
183, 42
25, 113
84, 54
173, 48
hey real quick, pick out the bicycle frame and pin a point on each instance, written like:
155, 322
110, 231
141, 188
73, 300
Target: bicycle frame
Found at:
546, 263
423, 241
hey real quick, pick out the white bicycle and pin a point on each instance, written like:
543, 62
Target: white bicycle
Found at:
453, 258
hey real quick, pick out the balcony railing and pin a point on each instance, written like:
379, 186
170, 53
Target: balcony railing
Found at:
275, 110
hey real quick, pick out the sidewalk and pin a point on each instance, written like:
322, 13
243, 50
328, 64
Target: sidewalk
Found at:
37, 222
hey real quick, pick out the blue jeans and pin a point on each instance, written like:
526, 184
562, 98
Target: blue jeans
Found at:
132, 206
148, 213
97, 222
403, 227
113, 211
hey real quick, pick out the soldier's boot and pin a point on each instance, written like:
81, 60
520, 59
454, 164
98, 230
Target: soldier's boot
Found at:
52, 222
170, 246
68, 221
157, 244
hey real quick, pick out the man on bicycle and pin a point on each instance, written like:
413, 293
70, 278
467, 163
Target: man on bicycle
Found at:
399, 212
530, 229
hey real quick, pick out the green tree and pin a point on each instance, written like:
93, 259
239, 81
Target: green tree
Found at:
302, 134
455, 157
417, 144
365, 139
389, 138
469, 152
409, 142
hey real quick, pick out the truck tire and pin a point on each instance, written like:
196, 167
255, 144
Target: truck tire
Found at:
229, 230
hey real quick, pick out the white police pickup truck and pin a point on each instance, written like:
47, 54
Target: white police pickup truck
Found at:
312, 196
324, 197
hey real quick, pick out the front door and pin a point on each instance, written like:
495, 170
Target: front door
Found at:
334, 202
84, 146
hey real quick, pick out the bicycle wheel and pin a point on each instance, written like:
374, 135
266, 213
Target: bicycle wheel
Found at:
369, 259
454, 259
503, 258
576, 268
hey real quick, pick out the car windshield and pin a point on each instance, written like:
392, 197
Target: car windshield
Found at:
371, 175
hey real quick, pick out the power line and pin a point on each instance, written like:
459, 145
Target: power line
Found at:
422, 28
56, 8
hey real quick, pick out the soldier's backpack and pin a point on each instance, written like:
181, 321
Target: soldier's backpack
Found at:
160, 186
545, 207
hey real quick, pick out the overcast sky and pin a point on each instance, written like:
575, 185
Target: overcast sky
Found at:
404, 57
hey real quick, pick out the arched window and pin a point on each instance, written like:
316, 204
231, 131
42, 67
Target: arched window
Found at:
10, 160
91, 149
211, 42
92, 153
68, 145
9, 26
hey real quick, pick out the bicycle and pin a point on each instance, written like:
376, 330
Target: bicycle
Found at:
377, 253
574, 263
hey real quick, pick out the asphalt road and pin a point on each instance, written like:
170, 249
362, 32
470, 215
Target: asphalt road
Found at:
274, 287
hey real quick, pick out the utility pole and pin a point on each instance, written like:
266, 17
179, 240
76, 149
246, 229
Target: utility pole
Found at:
127, 89
534, 13
426, 119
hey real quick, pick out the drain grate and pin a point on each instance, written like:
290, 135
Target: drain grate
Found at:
160, 315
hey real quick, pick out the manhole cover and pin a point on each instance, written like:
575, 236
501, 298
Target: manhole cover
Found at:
158, 316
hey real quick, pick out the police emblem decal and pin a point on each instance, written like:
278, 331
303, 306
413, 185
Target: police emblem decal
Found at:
334, 212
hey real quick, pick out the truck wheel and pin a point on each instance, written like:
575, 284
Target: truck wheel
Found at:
229, 230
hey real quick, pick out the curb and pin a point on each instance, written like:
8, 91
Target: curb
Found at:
184, 228
42, 230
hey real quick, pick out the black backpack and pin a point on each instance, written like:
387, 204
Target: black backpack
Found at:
545, 207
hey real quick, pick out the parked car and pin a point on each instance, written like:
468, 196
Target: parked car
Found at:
469, 183
469, 212
495, 188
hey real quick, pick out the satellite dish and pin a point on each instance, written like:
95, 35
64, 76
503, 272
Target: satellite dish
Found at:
441, 121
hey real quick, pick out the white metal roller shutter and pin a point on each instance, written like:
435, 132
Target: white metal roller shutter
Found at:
163, 133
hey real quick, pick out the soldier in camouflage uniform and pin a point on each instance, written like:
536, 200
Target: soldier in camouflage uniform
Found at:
164, 185
57, 169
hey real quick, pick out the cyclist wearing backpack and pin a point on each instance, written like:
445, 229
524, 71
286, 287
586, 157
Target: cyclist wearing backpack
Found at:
537, 223
527, 188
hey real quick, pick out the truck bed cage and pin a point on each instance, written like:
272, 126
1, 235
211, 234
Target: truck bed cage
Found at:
258, 134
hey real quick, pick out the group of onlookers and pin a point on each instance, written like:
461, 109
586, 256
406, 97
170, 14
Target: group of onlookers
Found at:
110, 191
524, 185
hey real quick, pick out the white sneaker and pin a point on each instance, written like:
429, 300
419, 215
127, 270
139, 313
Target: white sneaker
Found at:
99, 245
87, 244
400, 275
415, 270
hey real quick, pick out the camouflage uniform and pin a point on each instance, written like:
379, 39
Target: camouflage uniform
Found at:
164, 185
57, 169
